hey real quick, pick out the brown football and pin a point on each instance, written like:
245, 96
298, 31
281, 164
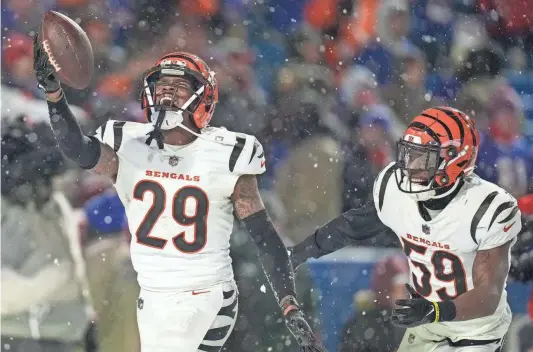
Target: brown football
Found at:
69, 49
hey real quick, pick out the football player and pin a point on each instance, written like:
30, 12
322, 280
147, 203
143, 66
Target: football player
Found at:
181, 182
455, 228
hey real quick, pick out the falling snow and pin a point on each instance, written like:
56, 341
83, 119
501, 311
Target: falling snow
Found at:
326, 94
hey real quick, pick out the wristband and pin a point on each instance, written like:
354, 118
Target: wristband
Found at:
288, 303
446, 311
437, 311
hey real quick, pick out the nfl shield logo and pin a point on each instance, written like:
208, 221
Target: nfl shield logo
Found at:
411, 338
173, 160
425, 229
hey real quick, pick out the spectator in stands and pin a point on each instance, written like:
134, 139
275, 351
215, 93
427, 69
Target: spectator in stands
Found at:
115, 99
506, 21
360, 93
111, 275
22, 15
370, 329
391, 41
433, 25
46, 304
479, 75
304, 68
346, 25
503, 156
407, 94
308, 181
17, 57
107, 55
368, 150
376, 138
242, 101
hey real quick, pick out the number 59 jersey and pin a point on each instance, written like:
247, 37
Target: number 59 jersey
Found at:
178, 202
441, 251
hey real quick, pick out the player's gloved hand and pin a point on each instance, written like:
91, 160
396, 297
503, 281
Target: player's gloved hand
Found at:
299, 328
415, 311
44, 71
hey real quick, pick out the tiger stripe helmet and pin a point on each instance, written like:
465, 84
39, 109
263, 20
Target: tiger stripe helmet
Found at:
190, 66
438, 148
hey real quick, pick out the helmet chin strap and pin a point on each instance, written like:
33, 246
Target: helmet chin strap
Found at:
448, 192
420, 196
167, 120
452, 189
431, 193
173, 119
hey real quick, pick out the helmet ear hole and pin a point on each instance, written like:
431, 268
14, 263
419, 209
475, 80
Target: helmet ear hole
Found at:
451, 153
443, 179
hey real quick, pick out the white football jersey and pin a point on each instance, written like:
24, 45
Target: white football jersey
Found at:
177, 201
441, 251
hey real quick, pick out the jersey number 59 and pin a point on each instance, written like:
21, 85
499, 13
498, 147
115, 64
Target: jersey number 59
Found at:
198, 220
456, 274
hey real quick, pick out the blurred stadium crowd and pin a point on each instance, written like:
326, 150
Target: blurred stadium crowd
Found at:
327, 86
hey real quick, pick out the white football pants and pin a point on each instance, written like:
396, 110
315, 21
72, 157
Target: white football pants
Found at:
413, 341
189, 321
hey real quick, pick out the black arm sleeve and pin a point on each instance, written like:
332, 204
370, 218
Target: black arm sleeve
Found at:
355, 225
273, 254
83, 150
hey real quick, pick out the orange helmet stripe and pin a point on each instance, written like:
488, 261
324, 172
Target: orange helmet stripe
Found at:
471, 127
427, 129
184, 56
442, 124
456, 134
457, 121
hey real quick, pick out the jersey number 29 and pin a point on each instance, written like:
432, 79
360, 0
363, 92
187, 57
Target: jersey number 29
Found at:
198, 220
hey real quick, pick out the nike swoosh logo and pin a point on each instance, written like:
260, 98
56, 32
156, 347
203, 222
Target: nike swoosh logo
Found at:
261, 155
194, 293
507, 228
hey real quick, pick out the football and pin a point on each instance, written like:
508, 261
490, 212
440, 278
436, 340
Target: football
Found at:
69, 49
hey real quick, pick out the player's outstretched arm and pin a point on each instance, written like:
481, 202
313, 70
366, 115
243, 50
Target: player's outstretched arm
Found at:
86, 151
489, 273
349, 228
274, 258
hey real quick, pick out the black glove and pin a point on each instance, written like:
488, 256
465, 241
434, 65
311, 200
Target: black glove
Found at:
416, 311
299, 328
44, 72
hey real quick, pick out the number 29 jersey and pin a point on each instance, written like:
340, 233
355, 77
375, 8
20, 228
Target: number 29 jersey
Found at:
178, 202
441, 251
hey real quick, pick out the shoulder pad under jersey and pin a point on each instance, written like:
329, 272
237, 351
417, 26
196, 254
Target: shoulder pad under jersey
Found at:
114, 133
246, 156
380, 186
496, 219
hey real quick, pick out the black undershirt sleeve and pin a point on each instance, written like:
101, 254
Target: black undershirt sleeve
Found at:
83, 150
273, 254
351, 227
